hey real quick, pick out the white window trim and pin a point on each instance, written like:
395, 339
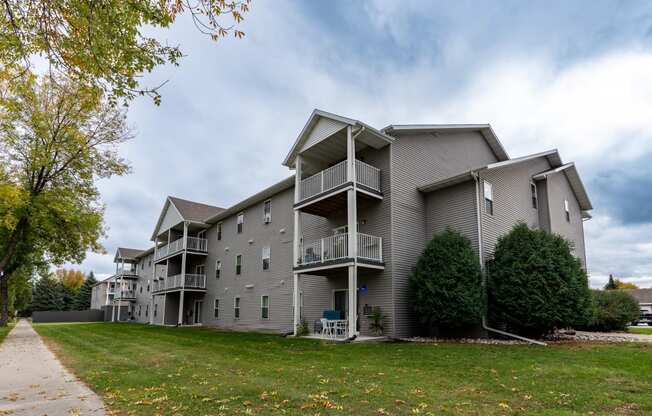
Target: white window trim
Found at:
219, 229
237, 222
488, 193
236, 305
567, 211
267, 219
216, 307
534, 197
269, 258
268, 307
218, 266
236, 264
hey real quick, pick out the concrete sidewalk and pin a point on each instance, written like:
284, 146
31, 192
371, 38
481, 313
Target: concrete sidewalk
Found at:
33, 381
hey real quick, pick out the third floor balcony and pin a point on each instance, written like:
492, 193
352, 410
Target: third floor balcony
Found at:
334, 177
193, 244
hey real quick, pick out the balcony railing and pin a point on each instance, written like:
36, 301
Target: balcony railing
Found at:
125, 294
130, 271
193, 243
191, 281
334, 176
336, 247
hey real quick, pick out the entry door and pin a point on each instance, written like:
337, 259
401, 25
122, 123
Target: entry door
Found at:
197, 312
341, 302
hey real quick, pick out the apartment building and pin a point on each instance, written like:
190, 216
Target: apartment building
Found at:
344, 232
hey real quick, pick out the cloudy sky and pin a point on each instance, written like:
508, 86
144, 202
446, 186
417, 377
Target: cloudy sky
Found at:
568, 75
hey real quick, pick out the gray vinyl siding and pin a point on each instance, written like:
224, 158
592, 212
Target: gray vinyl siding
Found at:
170, 219
276, 282
453, 207
324, 128
512, 201
418, 160
558, 190
98, 296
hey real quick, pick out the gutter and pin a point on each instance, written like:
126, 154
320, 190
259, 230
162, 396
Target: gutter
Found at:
476, 177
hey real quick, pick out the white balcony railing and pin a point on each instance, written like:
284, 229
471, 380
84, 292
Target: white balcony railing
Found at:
125, 294
191, 281
334, 176
193, 243
336, 247
129, 271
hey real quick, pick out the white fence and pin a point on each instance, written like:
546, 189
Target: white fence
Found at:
334, 176
336, 247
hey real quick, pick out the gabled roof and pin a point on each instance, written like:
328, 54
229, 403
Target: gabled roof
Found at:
187, 210
484, 129
575, 181
551, 155
641, 295
127, 253
312, 121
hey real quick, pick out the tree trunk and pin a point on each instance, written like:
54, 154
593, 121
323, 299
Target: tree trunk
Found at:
4, 301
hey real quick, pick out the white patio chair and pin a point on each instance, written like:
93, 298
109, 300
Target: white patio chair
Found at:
325, 327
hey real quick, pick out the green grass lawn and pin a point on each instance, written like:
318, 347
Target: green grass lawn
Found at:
640, 330
147, 370
4, 330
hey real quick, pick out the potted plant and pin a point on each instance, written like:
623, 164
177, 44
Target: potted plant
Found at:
377, 321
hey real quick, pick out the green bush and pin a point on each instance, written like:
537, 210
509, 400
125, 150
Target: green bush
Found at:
535, 283
446, 284
613, 310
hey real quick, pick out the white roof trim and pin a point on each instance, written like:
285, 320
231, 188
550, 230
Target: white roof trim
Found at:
570, 170
289, 159
485, 129
517, 160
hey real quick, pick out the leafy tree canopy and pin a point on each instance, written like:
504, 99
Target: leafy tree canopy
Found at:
71, 279
103, 43
536, 284
447, 282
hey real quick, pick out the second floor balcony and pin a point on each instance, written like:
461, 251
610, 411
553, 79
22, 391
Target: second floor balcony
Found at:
194, 244
178, 282
124, 294
328, 179
335, 248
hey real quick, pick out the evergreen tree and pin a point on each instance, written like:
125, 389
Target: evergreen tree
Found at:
447, 282
83, 298
536, 284
48, 295
611, 284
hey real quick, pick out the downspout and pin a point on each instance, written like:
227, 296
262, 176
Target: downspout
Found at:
478, 207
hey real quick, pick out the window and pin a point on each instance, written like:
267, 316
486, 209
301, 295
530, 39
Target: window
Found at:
218, 268
146, 310
240, 223
148, 285
155, 309
142, 266
238, 264
236, 307
264, 307
150, 262
488, 198
267, 211
533, 191
567, 210
140, 307
266, 257
219, 231
216, 309
141, 289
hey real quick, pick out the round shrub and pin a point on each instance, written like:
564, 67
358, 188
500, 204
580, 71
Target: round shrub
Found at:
536, 284
613, 310
446, 283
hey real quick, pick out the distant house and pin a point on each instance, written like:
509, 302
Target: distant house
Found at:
644, 298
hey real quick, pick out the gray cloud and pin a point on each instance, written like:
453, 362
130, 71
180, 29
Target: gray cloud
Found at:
231, 111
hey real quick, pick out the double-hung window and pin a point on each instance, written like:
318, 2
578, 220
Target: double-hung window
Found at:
488, 198
216, 309
264, 307
240, 223
533, 192
236, 307
267, 211
218, 268
219, 231
266, 257
238, 264
567, 210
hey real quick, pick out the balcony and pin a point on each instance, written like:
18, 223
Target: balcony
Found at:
335, 249
366, 175
124, 294
195, 244
178, 282
131, 271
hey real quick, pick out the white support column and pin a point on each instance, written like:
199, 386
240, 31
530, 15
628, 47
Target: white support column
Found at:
183, 272
297, 306
297, 237
298, 165
165, 296
352, 222
113, 309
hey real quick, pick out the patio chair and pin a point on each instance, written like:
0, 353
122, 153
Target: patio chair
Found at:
326, 328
